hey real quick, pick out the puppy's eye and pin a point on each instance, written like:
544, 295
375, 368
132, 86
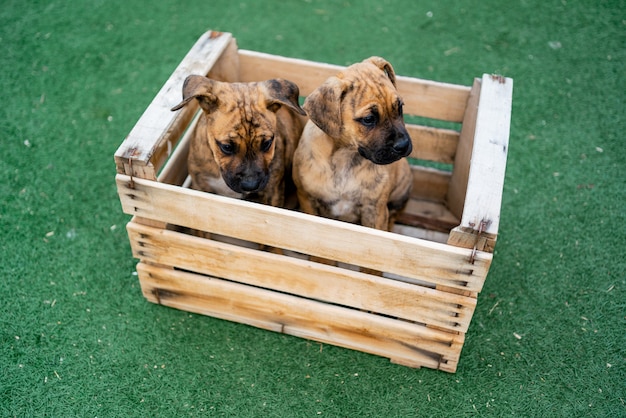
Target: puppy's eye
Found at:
226, 147
400, 104
369, 120
266, 145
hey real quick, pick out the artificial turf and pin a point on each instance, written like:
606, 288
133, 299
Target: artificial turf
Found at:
78, 339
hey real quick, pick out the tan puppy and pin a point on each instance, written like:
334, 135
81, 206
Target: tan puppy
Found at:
349, 163
243, 144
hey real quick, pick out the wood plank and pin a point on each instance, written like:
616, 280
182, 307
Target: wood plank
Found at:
226, 68
430, 183
468, 237
301, 277
433, 144
432, 99
485, 183
420, 233
175, 169
458, 182
159, 129
421, 97
308, 75
325, 238
403, 341
428, 215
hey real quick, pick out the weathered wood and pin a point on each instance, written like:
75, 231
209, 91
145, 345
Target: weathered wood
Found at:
159, 129
430, 183
175, 171
148, 222
486, 139
428, 215
420, 233
302, 278
326, 238
468, 237
226, 68
426, 221
460, 173
433, 144
424, 98
404, 342
488, 162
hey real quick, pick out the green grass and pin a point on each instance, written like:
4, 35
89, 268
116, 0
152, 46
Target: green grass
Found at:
78, 339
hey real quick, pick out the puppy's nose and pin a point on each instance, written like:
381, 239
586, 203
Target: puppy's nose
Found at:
250, 184
403, 145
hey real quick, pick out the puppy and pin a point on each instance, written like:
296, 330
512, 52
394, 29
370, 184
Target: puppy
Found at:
244, 142
349, 163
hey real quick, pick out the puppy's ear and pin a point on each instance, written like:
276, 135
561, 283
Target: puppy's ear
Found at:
201, 88
385, 66
323, 106
281, 92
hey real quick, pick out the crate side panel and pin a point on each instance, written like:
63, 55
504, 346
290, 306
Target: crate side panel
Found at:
326, 238
424, 98
291, 315
302, 277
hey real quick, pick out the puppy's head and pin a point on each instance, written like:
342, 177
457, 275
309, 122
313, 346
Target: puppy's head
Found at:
241, 125
360, 108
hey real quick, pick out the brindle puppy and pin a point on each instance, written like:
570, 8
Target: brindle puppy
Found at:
244, 142
349, 163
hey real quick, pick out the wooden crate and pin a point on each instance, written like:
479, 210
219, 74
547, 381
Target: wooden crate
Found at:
435, 261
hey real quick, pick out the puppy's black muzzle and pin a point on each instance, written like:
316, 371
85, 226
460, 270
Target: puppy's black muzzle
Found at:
398, 147
249, 181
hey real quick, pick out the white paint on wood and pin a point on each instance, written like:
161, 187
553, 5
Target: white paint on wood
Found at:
488, 162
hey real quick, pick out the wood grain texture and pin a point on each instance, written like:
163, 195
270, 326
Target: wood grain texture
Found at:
460, 173
326, 238
430, 184
485, 183
433, 144
175, 170
429, 99
477, 183
403, 342
434, 264
302, 277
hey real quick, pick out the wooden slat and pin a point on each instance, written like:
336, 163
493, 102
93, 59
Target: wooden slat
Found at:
433, 144
301, 277
424, 98
434, 100
308, 75
226, 68
460, 173
428, 215
430, 184
175, 169
488, 162
159, 129
404, 342
326, 238
421, 233
468, 237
